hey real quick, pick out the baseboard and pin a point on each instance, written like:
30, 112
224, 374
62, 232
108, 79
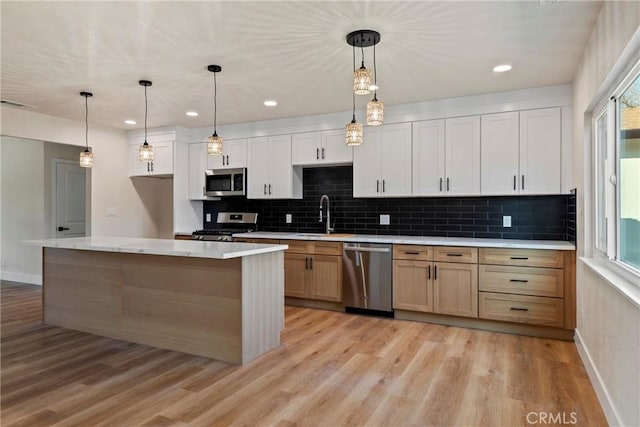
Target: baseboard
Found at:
596, 381
33, 279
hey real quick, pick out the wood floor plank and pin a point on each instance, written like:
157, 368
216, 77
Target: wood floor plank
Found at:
331, 369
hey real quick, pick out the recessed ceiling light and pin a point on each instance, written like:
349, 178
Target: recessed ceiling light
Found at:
192, 113
270, 103
501, 68
130, 122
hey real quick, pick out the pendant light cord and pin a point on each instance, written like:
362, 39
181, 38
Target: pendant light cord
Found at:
145, 115
86, 123
215, 103
375, 74
353, 93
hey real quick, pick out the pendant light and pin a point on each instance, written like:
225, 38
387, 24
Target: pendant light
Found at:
86, 156
375, 108
361, 78
145, 151
214, 146
354, 129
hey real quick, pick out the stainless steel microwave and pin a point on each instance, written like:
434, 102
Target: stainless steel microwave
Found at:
225, 182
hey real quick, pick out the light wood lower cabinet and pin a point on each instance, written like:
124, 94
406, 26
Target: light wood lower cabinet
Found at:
412, 285
455, 289
522, 309
327, 278
296, 275
312, 274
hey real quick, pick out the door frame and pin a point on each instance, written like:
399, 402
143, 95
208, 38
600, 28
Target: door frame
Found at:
54, 195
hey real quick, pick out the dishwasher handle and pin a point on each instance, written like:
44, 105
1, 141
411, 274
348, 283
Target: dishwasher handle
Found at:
366, 249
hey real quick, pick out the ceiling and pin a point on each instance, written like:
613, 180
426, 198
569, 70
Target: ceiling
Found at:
293, 52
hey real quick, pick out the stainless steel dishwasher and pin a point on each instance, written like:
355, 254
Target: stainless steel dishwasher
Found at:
367, 275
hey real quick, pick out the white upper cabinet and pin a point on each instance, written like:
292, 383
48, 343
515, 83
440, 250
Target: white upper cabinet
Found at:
320, 148
162, 164
446, 157
499, 154
428, 158
540, 151
234, 155
382, 164
270, 174
197, 166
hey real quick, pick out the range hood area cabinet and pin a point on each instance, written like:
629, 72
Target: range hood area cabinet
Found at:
270, 174
326, 148
163, 155
382, 164
521, 152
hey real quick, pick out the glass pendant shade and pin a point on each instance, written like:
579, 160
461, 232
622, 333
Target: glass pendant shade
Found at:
375, 112
86, 159
354, 133
361, 81
214, 146
145, 152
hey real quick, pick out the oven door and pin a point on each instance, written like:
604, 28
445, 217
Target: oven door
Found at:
225, 182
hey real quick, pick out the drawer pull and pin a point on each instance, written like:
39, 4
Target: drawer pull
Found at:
519, 257
519, 280
519, 309
429, 268
454, 254
412, 253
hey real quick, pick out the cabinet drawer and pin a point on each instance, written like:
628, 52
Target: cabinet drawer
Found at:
456, 254
413, 252
522, 257
297, 246
326, 248
521, 309
544, 282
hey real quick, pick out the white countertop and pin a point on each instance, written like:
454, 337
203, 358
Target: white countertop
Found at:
417, 240
185, 248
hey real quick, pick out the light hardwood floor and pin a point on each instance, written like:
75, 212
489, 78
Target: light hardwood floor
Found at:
331, 369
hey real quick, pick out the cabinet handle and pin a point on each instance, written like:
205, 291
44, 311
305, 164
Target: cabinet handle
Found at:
519, 280
412, 253
519, 257
306, 263
222, 160
519, 309
269, 188
523, 182
311, 263
429, 271
383, 186
377, 185
322, 153
447, 183
265, 190
148, 167
454, 254
151, 166
317, 153
227, 160
514, 182
440, 184
435, 272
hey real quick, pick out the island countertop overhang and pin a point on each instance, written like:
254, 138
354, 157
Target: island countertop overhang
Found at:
182, 248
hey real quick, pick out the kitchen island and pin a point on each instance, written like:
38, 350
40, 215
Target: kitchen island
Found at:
215, 299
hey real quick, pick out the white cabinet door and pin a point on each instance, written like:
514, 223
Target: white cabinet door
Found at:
216, 161
235, 152
162, 158
366, 164
257, 167
334, 147
136, 167
540, 151
395, 160
197, 166
280, 184
428, 158
499, 154
306, 148
462, 156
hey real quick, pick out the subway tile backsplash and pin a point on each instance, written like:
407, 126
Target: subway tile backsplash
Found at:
532, 217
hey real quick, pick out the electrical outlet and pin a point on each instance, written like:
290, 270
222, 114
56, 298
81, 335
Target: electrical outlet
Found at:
506, 221
385, 219
288, 218
207, 217
112, 212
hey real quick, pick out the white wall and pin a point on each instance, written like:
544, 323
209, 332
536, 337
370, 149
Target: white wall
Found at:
137, 201
608, 328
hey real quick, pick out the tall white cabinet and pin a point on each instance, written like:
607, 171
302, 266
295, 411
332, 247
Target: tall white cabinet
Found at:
500, 154
446, 157
382, 164
270, 174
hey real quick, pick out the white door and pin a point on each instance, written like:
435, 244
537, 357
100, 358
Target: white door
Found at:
306, 148
162, 158
335, 147
69, 199
395, 160
540, 151
136, 167
280, 184
366, 164
462, 156
258, 164
428, 158
197, 166
235, 152
499, 154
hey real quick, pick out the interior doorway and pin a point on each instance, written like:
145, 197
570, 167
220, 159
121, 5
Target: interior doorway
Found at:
69, 199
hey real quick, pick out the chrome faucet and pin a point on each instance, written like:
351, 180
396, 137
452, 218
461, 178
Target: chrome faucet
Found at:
322, 199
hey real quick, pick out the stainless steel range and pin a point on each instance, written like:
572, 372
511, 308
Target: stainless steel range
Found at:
227, 224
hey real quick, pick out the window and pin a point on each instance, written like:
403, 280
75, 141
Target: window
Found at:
616, 130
